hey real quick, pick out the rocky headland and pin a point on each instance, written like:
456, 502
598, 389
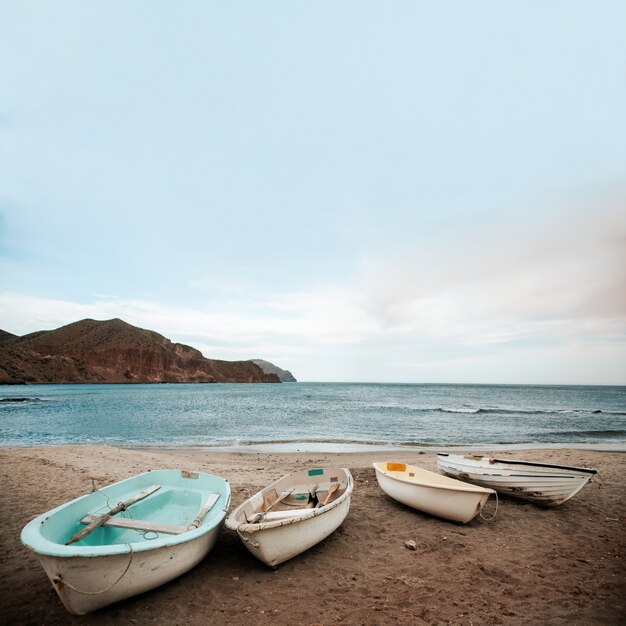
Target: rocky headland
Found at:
269, 368
114, 351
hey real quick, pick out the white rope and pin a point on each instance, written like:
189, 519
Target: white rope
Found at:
145, 534
488, 519
95, 489
58, 580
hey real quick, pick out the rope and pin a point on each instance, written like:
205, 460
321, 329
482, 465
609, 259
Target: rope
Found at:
58, 580
95, 489
600, 481
488, 519
145, 534
108, 504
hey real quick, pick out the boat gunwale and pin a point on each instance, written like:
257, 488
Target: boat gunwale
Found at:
313, 513
32, 538
462, 487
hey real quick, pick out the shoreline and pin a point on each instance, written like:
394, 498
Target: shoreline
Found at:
324, 447
529, 565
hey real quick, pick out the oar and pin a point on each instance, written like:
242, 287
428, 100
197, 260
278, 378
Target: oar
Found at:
208, 505
98, 521
259, 516
331, 491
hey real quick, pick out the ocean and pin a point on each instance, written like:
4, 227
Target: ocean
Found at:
314, 416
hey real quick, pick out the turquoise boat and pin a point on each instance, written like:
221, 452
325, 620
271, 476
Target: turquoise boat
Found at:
128, 537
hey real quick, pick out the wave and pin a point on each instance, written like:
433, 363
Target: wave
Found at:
498, 411
556, 438
425, 441
488, 410
501, 411
581, 434
235, 443
21, 400
305, 440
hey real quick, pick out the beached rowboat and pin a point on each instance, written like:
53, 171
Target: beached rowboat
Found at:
431, 492
541, 483
293, 514
128, 537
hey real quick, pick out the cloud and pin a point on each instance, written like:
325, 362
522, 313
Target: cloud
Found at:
563, 273
327, 317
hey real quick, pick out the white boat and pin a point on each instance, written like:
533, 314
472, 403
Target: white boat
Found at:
541, 483
128, 537
293, 514
431, 492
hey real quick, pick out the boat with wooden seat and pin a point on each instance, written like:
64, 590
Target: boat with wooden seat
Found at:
431, 492
128, 537
293, 514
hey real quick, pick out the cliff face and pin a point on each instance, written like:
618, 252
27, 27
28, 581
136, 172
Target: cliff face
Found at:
113, 351
269, 368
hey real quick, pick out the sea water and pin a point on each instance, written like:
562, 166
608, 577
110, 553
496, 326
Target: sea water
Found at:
300, 416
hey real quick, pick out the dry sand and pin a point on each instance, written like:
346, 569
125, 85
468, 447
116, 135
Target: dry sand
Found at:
528, 566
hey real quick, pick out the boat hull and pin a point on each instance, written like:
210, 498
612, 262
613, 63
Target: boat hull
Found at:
454, 505
542, 484
176, 518
274, 541
276, 545
82, 583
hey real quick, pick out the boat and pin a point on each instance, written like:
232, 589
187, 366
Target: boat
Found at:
293, 513
431, 492
128, 537
542, 483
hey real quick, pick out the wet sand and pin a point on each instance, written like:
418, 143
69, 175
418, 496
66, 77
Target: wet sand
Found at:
563, 565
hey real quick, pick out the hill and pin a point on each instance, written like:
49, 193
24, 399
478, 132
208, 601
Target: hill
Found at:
5, 336
113, 351
269, 368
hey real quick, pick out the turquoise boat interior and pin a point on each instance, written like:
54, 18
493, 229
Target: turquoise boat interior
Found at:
177, 500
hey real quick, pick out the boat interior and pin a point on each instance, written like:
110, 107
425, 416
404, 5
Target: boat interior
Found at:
151, 512
419, 476
294, 496
489, 460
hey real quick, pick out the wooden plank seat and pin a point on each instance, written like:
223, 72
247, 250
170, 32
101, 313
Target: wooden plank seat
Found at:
138, 524
271, 516
296, 497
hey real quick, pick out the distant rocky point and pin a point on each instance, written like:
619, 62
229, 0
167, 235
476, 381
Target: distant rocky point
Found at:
114, 351
269, 368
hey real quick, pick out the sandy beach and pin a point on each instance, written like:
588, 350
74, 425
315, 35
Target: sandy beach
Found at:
528, 566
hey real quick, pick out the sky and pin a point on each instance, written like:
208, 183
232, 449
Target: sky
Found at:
364, 191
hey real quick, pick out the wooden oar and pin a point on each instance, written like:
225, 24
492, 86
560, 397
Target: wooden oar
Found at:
98, 521
331, 491
259, 516
208, 505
